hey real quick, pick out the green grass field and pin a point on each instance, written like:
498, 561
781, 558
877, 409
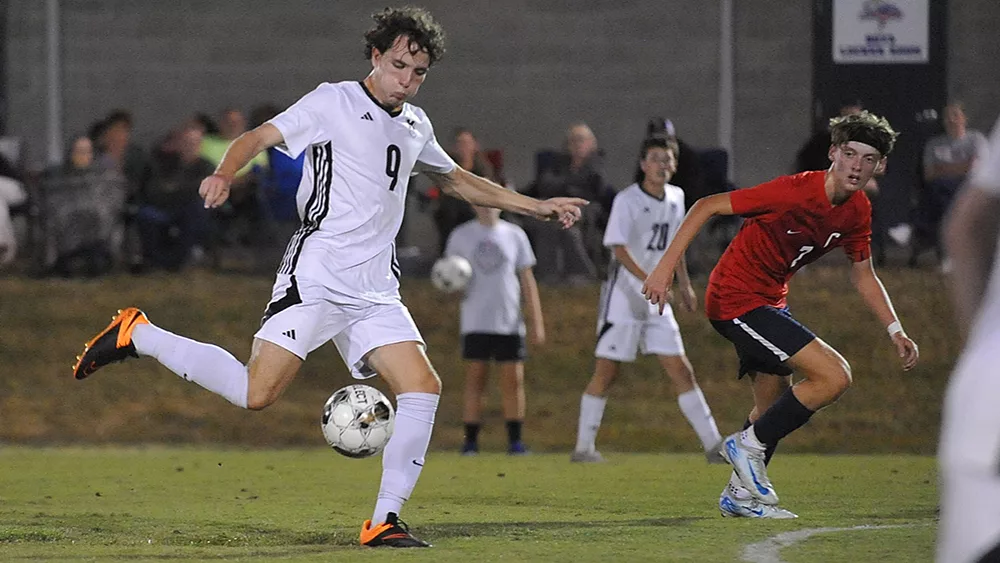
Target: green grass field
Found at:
156, 504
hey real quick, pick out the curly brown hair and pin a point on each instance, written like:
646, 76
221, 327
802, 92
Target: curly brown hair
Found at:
864, 127
423, 33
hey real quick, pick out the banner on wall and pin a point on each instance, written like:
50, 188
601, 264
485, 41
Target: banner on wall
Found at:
880, 31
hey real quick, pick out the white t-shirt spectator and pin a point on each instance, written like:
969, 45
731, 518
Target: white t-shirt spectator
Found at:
498, 253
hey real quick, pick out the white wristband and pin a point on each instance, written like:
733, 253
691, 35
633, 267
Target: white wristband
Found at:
894, 327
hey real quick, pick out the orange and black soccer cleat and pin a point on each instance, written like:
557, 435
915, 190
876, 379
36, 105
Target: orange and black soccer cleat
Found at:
113, 344
391, 533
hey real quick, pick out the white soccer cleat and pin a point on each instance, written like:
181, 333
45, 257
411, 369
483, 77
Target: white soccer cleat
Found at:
748, 462
734, 505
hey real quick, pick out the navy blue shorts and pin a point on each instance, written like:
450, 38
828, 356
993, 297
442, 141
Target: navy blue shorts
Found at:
764, 338
484, 347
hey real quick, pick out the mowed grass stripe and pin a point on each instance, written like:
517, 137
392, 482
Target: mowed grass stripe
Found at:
157, 503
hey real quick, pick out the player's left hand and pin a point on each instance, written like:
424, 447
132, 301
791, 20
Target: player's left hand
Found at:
907, 349
689, 299
566, 210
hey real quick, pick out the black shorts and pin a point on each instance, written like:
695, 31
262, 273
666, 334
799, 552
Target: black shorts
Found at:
764, 338
498, 347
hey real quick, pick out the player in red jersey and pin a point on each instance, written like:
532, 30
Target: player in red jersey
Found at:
790, 222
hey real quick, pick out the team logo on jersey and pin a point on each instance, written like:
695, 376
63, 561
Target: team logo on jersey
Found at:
410, 122
367, 117
645, 210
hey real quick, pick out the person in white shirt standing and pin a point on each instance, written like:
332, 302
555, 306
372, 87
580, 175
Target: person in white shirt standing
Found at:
491, 324
969, 453
339, 279
644, 217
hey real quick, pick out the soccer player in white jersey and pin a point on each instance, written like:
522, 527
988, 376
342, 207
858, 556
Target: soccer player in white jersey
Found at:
338, 279
491, 323
970, 435
644, 217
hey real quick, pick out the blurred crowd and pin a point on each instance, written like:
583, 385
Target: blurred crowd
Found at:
116, 205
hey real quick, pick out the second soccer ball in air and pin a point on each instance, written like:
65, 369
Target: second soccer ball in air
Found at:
451, 274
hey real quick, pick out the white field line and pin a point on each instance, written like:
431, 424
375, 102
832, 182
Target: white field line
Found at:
769, 550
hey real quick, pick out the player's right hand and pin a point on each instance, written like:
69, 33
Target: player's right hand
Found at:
215, 190
656, 288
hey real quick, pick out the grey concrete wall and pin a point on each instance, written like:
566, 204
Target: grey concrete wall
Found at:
517, 71
974, 59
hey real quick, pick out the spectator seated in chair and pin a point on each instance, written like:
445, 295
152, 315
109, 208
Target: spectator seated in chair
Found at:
82, 208
172, 219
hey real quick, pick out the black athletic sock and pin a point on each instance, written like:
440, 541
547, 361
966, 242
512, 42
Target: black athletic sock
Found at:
768, 448
471, 432
514, 431
785, 416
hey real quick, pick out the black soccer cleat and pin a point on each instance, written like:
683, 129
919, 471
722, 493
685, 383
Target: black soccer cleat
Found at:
391, 533
113, 344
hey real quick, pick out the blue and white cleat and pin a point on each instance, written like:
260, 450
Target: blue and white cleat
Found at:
731, 505
748, 462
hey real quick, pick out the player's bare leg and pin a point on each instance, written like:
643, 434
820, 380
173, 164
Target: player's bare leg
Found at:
592, 410
271, 369
474, 397
408, 372
826, 375
693, 405
513, 404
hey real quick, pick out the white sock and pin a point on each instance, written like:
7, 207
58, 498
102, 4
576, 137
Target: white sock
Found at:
207, 365
591, 413
697, 413
749, 438
403, 457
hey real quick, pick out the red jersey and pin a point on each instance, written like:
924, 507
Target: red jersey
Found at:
790, 222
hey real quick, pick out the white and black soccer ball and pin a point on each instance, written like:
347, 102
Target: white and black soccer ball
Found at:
358, 421
451, 273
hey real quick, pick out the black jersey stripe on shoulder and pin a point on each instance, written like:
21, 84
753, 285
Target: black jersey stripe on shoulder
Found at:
316, 208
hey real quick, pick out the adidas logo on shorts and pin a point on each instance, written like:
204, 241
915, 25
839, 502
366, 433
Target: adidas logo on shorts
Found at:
289, 334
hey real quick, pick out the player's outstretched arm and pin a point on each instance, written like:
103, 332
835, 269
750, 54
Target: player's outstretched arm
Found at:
215, 189
463, 184
657, 286
970, 239
875, 296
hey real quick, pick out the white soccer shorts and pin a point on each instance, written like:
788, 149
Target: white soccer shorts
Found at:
969, 457
304, 315
627, 324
